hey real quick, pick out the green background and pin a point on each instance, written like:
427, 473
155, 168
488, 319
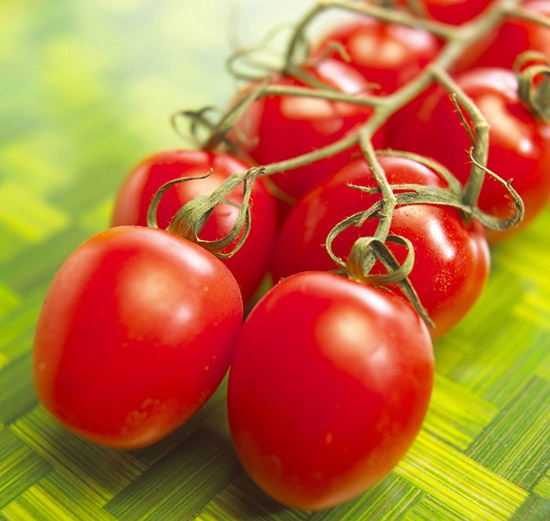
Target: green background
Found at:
86, 90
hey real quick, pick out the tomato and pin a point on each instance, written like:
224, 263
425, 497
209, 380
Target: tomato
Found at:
451, 258
279, 127
514, 36
453, 12
136, 332
519, 146
388, 55
328, 388
249, 264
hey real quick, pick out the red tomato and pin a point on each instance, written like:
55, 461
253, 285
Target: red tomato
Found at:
519, 147
249, 264
451, 258
136, 332
283, 127
388, 55
513, 37
453, 12
328, 388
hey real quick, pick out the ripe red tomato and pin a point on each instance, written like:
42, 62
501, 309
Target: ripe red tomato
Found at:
513, 37
329, 385
451, 259
136, 332
283, 127
519, 146
249, 264
453, 12
387, 54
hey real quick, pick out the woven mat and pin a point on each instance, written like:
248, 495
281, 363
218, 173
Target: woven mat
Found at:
86, 88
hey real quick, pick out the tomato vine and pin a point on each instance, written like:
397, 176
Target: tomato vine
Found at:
257, 75
360, 353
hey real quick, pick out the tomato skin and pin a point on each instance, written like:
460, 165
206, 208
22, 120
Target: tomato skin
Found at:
283, 127
454, 12
452, 260
136, 332
519, 144
322, 408
386, 54
513, 37
249, 264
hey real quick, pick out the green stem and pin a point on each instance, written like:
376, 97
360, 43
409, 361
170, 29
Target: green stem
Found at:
519, 12
480, 137
192, 216
532, 70
386, 191
458, 39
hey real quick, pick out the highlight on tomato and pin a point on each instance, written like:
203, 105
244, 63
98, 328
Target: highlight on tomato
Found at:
452, 258
329, 385
519, 142
278, 127
249, 263
135, 334
388, 55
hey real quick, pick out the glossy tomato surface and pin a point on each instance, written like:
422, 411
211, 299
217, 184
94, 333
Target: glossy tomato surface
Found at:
519, 143
136, 332
280, 127
388, 55
454, 12
328, 388
514, 36
451, 258
249, 264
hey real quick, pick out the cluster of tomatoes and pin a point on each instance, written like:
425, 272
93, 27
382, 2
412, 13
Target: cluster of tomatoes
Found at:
332, 367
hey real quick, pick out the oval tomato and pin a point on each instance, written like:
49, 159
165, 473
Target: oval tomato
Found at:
519, 143
328, 388
249, 264
388, 55
136, 332
451, 259
279, 127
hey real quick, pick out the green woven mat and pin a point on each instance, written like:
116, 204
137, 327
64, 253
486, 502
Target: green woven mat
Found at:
86, 88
